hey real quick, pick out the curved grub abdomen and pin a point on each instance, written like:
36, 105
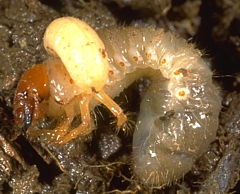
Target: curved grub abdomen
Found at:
179, 112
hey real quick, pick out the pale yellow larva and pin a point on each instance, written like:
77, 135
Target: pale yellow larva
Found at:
61, 39
179, 112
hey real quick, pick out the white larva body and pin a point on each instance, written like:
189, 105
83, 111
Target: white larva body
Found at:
179, 112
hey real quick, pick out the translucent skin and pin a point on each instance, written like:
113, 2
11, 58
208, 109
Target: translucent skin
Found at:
179, 112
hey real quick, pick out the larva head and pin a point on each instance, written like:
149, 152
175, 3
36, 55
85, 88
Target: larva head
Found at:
33, 87
81, 51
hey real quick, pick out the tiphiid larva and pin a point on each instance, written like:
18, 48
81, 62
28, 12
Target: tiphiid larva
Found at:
179, 112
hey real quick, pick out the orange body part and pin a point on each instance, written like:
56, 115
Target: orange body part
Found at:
32, 88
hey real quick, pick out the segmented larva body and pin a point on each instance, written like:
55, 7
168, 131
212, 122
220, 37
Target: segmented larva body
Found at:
179, 112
